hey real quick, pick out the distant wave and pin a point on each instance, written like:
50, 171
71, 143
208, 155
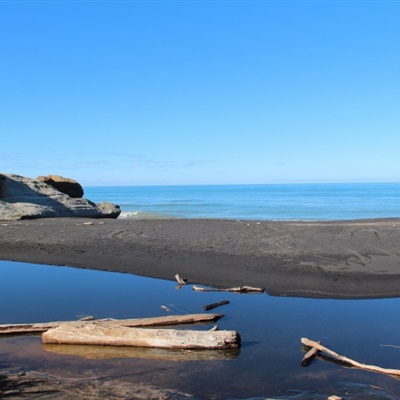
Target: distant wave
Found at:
144, 215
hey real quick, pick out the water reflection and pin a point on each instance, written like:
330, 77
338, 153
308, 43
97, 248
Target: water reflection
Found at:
271, 327
102, 352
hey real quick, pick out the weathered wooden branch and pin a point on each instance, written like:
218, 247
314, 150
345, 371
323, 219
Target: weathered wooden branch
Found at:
95, 333
211, 306
241, 289
214, 328
15, 329
309, 356
347, 360
180, 280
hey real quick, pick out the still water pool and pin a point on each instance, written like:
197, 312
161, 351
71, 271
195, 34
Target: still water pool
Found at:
267, 365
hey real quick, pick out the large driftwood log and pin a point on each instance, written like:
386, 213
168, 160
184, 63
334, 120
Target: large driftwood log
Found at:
104, 334
241, 289
347, 360
15, 329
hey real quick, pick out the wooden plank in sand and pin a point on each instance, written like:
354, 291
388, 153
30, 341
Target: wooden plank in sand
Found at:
107, 335
15, 329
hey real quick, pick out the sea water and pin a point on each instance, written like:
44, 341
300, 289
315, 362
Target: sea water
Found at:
255, 202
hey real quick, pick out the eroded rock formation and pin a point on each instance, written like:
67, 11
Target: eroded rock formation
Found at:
26, 198
65, 185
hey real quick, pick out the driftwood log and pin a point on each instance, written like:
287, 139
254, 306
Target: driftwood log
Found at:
211, 306
15, 329
366, 367
107, 335
241, 289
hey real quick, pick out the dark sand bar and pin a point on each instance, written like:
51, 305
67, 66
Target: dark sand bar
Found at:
335, 259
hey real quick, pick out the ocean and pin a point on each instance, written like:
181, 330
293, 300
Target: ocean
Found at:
278, 202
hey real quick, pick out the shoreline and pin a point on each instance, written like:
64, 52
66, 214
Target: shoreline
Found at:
323, 259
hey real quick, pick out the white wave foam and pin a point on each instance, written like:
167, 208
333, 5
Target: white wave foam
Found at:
143, 215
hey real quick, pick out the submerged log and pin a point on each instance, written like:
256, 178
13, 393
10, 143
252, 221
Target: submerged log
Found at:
241, 289
211, 306
108, 335
16, 329
366, 367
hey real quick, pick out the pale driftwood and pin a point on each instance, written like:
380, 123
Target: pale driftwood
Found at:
104, 352
347, 360
87, 318
309, 356
211, 306
107, 335
241, 289
180, 280
214, 328
15, 329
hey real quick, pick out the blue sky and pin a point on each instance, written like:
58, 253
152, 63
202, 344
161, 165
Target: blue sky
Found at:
200, 92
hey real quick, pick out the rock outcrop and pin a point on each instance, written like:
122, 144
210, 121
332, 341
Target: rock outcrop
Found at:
25, 198
65, 185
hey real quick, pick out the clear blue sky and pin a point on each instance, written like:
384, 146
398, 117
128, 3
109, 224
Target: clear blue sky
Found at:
200, 92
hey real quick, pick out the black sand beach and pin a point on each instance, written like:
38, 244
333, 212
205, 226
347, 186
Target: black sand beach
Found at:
335, 259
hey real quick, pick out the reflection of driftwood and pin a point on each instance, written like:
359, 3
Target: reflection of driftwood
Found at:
241, 289
180, 280
211, 306
104, 334
103, 352
14, 329
309, 356
339, 357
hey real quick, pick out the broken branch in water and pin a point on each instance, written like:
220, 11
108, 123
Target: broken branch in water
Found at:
241, 289
14, 329
215, 305
214, 328
347, 360
180, 280
309, 356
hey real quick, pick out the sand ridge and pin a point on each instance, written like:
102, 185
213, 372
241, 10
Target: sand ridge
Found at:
338, 259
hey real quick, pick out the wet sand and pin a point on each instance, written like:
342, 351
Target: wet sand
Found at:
335, 259
37, 386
